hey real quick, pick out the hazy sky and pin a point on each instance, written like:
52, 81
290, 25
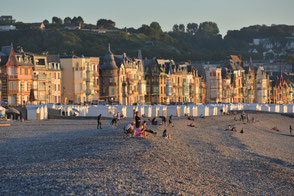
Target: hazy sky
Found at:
228, 14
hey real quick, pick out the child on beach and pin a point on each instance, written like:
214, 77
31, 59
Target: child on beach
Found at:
130, 128
165, 134
140, 132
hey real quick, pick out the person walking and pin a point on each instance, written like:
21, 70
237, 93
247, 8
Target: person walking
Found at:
290, 129
99, 118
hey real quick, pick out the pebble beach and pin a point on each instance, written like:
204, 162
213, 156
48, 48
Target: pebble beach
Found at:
73, 157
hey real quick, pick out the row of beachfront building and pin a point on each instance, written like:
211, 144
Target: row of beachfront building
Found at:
28, 78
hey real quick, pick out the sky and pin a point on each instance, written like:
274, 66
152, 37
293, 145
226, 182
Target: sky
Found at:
228, 14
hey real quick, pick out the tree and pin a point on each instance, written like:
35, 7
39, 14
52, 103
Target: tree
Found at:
156, 26
182, 28
67, 20
209, 28
176, 28
80, 20
56, 20
46, 22
192, 28
106, 24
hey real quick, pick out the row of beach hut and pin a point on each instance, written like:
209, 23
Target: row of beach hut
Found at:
40, 112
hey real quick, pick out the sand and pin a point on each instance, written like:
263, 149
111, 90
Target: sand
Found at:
72, 157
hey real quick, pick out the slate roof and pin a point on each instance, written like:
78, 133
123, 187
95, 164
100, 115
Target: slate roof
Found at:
109, 61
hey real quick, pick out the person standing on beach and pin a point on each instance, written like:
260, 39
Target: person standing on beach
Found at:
170, 121
163, 120
137, 120
290, 129
99, 118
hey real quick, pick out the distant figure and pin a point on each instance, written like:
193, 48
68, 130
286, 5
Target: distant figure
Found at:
247, 116
170, 121
99, 118
190, 118
114, 122
201, 116
252, 119
191, 124
137, 120
275, 129
146, 129
153, 121
290, 129
165, 134
140, 132
230, 128
163, 120
242, 131
130, 128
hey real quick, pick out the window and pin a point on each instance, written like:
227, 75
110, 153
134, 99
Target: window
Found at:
12, 71
111, 80
20, 71
79, 74
77, 65
59, 75
112, 91
26, 71
55, 76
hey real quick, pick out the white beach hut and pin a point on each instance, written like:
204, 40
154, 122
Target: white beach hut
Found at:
172, 110
148, 111
193, 110
283, 109
203, 110
130, 111
155, 110
162, 110
290, 108
31, 112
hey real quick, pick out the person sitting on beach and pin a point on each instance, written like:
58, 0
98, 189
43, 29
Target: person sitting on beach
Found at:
153, 121
230, 128
170, 121
290, 129
191, 124
190, 118
165, 134
275, 129
242, 131
130, 128
146, 129
140, 132
163, 120
201, 116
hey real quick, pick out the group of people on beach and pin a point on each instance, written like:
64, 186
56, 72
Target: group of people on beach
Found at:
138, 128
